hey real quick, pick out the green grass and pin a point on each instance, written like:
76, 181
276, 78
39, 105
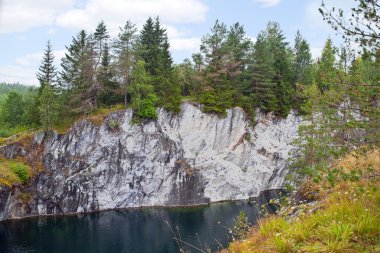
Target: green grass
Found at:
13, 172
345, 219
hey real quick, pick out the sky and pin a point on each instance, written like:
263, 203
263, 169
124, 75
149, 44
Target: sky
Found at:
26, 25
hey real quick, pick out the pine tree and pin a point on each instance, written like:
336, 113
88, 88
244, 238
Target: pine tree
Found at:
47, 72
217, 93
125, 48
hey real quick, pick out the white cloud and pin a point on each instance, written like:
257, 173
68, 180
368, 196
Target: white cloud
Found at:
253, 38
117, 12
22, 15
268, 3
29, 59
58, 54
14, 74
316, 52
185, 44
25, 67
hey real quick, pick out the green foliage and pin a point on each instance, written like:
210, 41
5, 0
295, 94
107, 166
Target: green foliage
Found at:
9, 131
221, 62
146, 107
48, 108
262, 83
168, 93
6, 88
21, 171
125, 48
113, 124
346, 220
327, 73
361, 25
242, 227
217, 101
339, 118
229, 70
154, 48
142, 96
13, 109
47, 72
78, 67
302, 62
110, 93
185, 75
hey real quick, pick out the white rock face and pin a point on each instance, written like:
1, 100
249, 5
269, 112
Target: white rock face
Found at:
189, 158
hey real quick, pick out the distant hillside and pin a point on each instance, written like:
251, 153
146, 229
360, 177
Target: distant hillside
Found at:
6, 88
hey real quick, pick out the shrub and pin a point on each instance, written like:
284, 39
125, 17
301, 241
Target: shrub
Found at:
112, 124
147, 109
21, 171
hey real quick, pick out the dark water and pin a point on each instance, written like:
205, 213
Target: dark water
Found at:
133, 230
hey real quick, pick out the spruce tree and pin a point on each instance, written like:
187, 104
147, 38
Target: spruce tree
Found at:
154, 50
327, 73
47, 72
302, 61
282, 67
149, 43
110, 88
262, 84
237, 54
78, 74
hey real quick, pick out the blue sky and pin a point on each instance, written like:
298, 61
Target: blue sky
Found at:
26, 25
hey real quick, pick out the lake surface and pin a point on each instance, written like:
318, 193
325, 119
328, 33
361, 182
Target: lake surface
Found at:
130, 230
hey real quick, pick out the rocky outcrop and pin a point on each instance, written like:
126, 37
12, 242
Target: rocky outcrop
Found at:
184, 159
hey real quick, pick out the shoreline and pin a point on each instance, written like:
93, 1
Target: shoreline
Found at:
200, 205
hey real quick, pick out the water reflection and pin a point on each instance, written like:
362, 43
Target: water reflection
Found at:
132, 230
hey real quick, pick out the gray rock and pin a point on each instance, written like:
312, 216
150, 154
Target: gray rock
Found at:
185, 159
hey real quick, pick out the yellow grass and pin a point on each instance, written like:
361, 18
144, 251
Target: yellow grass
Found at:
96, 117
346, 219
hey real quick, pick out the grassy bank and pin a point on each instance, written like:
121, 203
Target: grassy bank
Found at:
345, 217
13, 172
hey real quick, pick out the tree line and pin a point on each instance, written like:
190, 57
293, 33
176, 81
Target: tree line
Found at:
136, 69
